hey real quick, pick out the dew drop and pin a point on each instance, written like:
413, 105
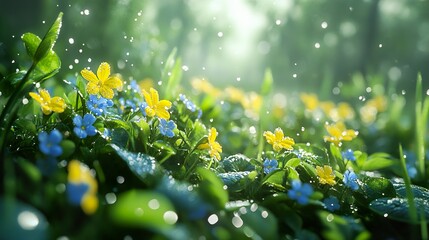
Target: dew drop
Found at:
185, 68
239, 79
139, 212
76, 61
403, 92
294, 75
213, 219
159, 83
71, 40
25, 101
43, 22
170, 217
28, 220
220, 34
385, 215
237, 222
153, 204
427, 92
317, 45
330, 218
278, 22
70, 66
380, 45
89, 60
254, 207
110, 198
324, 25
120, 179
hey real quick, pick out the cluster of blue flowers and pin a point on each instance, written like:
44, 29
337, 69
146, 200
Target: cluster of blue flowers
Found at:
98, 105
270, 165
84, 126
189, 104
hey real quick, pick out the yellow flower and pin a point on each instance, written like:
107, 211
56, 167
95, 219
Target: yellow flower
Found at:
214, 147
339, 133
310, 101
235, 95
103, 83
252, 102
204, 86
325, 174
328, 108
48, 104
80, 175
155, 106
146, 84
278, 140
345, 111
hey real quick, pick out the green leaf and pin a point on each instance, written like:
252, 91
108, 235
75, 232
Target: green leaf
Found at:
373, 188
10, 82
338, 227
26, 124
48, 42
377, 161
143, 166
21, 221
119, 136
145, 209
236, 163
335, 151
211, 188
175, 75
258, 221
164, 146
267, 84
30, 169
418, 191
235, 181
398, 208
293, 162
277, 177
46, 67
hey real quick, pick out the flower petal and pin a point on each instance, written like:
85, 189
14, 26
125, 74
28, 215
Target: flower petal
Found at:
92, 88
36, 97
113, 82
162, 113
147, 98
57, 104
164, 104
106, 92
103, 72
89, 76
154, 96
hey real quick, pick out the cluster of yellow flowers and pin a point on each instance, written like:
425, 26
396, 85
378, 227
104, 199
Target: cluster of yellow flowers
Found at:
336, 112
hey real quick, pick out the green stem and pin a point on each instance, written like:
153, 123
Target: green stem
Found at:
407, 181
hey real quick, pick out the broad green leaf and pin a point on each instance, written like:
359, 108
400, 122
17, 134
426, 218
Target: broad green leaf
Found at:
21, 221
46, 67
164, 146
145, 209
335, 151
293, 162
184, 197
211, 188
235, 181
48, 41
373, 188
418, 191
259, 221
398, 208
276, 177
10, 82
143, 166
26, 124
375, 162
338, 227
119, 136
236, 163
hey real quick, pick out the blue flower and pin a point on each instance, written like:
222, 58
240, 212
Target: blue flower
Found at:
49, 144
300, 192
350, 180
188, 103
412, 171
134, 87
166, 128
128, 104
76, 191
331, 203
142, 108
83, 127
348, 155
98, 105
270, 165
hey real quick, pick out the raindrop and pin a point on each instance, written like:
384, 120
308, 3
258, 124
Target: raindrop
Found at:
153, 204
25, 101
336, 90
317, 45
324, 25
86, 12
403, 92
170, 217
138, 212
222, 102
239, 79
76, 61
254, 207
80, 50
110, 198
70, 66
427, 92
220, 34
185, 68
380, 45
13, 61
211, 120
368, 89
71, 40
89, 60
237, 222
385, 215
120, 179
294, 75
278, 22
330, 218
159, 83
213, 219
28, 220
302, 129
243, 210
252, 130
43, 21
